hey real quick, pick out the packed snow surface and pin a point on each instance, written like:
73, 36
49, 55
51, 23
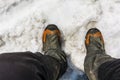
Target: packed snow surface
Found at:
22, 23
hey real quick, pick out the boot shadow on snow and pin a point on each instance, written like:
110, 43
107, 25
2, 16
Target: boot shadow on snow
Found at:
72, 72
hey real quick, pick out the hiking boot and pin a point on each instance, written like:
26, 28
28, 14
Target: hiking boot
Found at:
96, 54
51, 38
52, 48
52, 43
94, 40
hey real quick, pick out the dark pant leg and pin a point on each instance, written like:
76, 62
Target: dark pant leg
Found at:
56, 63
109, 70
19, 66
29, 66
52, 68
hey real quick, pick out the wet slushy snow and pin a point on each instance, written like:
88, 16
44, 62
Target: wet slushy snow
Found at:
22, 23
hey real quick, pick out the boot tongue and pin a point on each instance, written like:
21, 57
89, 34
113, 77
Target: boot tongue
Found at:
52, 42
95, 45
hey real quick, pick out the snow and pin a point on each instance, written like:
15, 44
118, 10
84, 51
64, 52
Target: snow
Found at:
23, 21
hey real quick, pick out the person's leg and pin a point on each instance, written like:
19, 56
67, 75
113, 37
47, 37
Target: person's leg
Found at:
30, 66
96, 54
21, 66
54, 56
109, 70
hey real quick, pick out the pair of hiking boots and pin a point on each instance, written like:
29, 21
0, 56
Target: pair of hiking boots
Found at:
94, 45
52, 39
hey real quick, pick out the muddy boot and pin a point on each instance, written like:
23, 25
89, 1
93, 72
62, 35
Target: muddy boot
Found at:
96, 54
52, 47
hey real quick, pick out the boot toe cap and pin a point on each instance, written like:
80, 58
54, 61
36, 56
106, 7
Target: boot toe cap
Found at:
93, 30
52, 27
